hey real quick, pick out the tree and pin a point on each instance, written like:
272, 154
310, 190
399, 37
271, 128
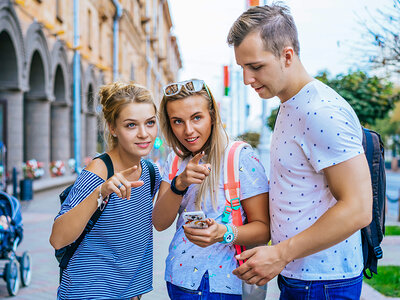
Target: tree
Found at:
272, 118
250, 137
371, 97
382, 32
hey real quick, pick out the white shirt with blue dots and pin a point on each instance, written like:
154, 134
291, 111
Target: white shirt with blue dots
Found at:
315, 129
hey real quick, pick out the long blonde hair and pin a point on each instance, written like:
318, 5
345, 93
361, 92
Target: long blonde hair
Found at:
214, 148
114, 97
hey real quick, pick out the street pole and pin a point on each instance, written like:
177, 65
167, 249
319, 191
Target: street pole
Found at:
263, 147
77, 90
398, 205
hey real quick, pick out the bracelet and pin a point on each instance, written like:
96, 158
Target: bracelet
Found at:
235, 234
175, 190
101, 200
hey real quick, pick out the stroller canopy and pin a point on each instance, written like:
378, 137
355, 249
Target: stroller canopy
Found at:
9, 206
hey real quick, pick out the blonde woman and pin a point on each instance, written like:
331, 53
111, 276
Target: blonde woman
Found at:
115, 259
200, 261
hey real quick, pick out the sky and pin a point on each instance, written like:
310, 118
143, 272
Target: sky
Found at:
329, 31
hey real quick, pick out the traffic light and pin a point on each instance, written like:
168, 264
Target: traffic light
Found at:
253, 3
157, 143
226, 81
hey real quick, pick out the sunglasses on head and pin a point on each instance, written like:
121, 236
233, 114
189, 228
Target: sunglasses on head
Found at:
192, 86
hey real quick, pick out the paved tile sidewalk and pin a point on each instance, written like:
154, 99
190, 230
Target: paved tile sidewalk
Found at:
38, 217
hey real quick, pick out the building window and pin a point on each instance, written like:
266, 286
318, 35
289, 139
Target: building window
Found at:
100, 40
132, 72
89, 31
59, 10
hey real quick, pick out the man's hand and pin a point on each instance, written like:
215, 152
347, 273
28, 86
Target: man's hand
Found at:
263, 264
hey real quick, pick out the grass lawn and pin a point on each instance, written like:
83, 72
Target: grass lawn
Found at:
387, 282
392, 230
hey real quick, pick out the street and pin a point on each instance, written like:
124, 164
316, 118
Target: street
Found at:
38, 217
393, 192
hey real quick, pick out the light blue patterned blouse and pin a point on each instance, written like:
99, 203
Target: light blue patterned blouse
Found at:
187, 263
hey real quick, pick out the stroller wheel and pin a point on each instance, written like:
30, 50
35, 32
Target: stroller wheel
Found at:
12, 277
25, 265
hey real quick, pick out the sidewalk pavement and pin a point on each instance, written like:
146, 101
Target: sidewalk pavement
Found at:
38, 216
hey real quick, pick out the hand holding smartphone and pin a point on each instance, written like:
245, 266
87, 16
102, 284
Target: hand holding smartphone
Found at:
195, 219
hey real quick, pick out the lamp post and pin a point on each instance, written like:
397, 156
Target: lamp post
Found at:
264, 146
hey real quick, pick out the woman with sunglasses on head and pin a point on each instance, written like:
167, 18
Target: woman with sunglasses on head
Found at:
201, 261
115, 259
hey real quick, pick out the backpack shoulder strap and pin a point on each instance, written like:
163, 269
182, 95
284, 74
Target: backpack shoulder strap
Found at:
152, 173
107, 161
231, 178
93, 220
232, 187
368, 146
174, 167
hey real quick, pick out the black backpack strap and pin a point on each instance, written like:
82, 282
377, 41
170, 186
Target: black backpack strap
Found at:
72, 247
107, 160
152, 173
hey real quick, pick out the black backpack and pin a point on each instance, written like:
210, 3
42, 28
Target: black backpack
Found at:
63, 255
372, 234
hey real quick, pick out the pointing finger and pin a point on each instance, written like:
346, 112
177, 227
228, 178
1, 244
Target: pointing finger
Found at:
197, 157
129, 171
136, 184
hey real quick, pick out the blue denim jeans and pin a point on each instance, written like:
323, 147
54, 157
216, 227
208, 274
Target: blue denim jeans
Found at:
343, 289
202, 293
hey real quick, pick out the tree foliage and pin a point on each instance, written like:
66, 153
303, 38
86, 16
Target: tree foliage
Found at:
381, 34
272, 119
250, 137
386, 128
371, 97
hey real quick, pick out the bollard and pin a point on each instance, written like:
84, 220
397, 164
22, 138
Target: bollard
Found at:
398, 205
26, 189
15, 182
398, 213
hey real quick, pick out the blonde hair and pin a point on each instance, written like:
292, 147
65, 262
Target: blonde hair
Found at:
113, 98
214, 148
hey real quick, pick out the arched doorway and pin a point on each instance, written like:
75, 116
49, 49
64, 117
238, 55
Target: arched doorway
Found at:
60, 119
12, 58
60, 142
36, 112
91, 126
37, 99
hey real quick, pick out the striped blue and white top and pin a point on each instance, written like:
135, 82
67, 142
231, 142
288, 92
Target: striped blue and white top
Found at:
115, 260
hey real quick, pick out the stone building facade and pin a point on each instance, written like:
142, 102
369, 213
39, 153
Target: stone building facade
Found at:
37, 78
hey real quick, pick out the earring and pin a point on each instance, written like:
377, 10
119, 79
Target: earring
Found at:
114, 135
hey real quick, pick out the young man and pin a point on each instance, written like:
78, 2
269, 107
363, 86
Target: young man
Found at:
320, 192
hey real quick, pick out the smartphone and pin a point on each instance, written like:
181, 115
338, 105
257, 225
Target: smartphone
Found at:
196, 219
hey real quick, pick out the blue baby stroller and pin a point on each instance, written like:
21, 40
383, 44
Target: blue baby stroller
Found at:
17, 268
